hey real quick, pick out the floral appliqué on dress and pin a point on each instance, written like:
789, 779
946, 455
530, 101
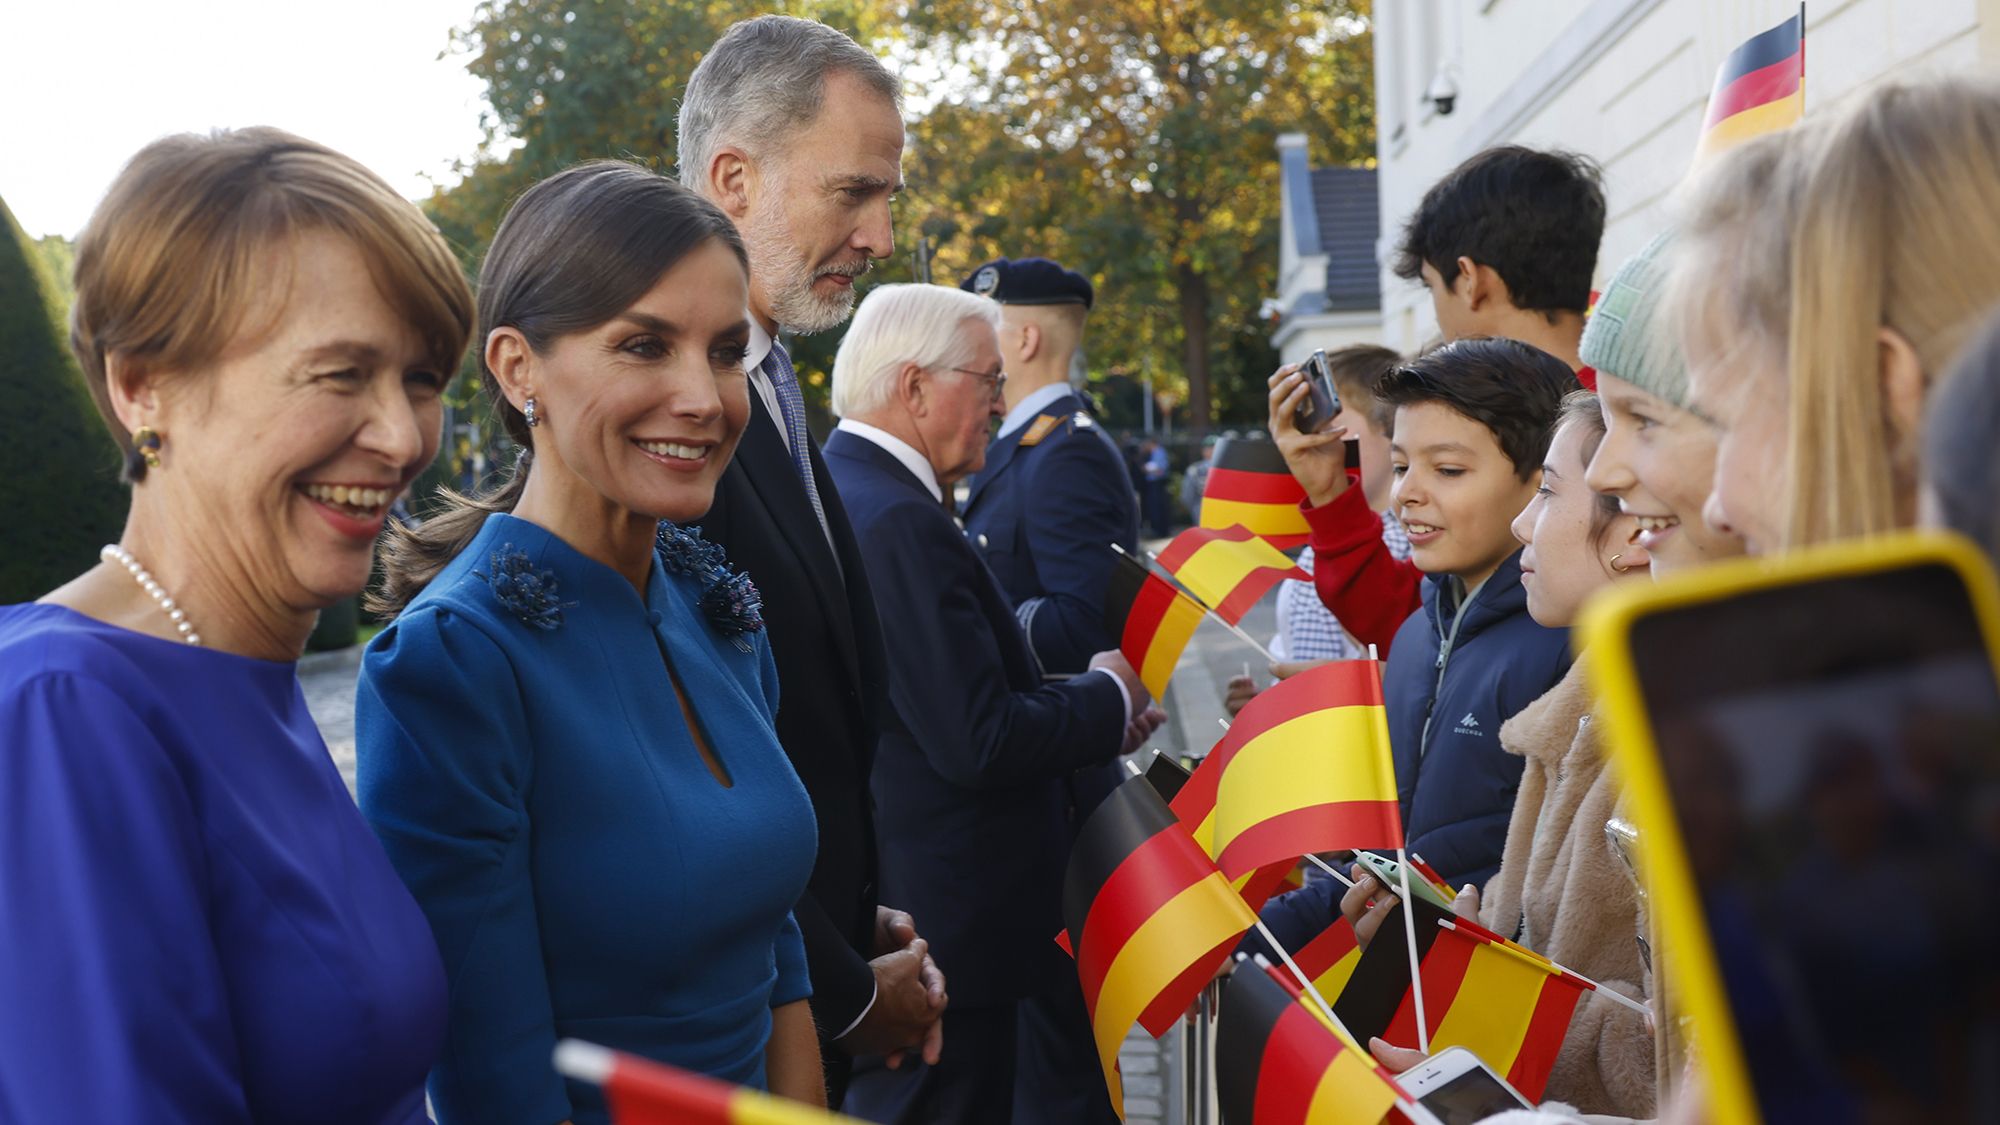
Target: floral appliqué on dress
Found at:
530, 593
728, 598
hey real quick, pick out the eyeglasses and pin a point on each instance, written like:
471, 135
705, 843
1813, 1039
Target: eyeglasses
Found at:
994, 380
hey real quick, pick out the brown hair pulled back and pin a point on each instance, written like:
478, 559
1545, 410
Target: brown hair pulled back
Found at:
574, 251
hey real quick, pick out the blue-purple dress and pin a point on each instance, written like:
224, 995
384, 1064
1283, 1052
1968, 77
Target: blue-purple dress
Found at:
195, 923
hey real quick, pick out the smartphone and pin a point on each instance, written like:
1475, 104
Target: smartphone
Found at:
1391, 875
1809, 750
1458, 1089
1322, 401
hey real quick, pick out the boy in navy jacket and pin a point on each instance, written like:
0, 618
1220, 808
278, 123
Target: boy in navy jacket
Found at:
1472, 423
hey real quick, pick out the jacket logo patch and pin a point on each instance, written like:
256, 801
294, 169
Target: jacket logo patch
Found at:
1469, 725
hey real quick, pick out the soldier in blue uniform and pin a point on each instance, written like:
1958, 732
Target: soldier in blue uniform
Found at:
1054, 494
1044, 512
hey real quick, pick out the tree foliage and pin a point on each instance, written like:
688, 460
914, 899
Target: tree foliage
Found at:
1136, 139
67, 501
1133, 140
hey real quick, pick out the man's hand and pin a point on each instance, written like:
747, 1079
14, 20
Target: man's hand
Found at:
1242, 689
1365, 904
909, 995
1141, 728
1113, 661
1318, 461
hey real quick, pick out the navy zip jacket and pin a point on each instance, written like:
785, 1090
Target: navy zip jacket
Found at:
1447, 694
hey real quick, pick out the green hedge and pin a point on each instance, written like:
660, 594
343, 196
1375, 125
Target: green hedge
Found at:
63, 499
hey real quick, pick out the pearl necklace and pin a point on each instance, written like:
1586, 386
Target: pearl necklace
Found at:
112, 552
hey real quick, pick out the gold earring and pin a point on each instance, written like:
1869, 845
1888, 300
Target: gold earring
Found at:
1614, 563
146, 440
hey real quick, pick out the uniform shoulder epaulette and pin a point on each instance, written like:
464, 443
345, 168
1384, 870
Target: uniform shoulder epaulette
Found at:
1040, 429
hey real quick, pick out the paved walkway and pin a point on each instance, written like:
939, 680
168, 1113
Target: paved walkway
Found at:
1155, 1091
328, 679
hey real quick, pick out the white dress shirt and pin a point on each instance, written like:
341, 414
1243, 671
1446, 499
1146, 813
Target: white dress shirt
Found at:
760, 380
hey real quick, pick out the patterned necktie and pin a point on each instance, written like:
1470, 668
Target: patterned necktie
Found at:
792, 405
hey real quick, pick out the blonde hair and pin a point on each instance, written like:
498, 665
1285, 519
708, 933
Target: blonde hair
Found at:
175, 257
1803, 245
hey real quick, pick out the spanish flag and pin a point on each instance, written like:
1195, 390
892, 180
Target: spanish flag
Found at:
1503, 1002
1149, 917
1306, 768
1249, 486
1329, 959
642, 1092
1194, 804
1228, 570
1279, 1062
1760, 88
1153, 621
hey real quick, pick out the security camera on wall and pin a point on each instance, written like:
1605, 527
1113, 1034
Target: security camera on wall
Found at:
1443, 93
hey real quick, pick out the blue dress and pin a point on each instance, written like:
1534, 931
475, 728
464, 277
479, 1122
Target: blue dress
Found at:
195, 924
530, 773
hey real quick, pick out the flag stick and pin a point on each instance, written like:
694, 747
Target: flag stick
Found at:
585, 1062
1416, 970
1223, 721
1330, 869
1246, 638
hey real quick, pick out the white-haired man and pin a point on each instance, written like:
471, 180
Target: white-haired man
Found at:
795, 131
975, 817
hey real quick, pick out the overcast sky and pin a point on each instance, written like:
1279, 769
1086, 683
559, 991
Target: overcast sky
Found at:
89, 82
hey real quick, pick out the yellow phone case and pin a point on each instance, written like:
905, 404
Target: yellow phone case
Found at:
1604, 638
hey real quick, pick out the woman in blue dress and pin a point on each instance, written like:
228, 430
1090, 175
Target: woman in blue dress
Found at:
195, 923
566, 735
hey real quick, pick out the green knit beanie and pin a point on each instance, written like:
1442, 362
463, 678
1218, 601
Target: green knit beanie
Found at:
1628, 337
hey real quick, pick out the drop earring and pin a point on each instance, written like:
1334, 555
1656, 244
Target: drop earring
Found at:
146, 440
532, 412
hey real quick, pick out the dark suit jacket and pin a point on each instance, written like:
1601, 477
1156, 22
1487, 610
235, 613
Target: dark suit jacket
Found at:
832, 688
1044, 517
974, 817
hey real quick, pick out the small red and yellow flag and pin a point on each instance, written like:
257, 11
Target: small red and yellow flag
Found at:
1228, 569
1151, 619
1195, 806
1149, 917
1502, 1001
1306, 768
640, 1091
1249, 486
1329, 959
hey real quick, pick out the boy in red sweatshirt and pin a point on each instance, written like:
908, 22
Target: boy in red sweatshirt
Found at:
1506, 244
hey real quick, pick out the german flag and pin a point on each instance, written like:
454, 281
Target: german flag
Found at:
1229, 570
1152, 619
1149, 917
642, 1092
1760, 88
1250, 487
1306, 768
1503, 1002
1279, 1062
